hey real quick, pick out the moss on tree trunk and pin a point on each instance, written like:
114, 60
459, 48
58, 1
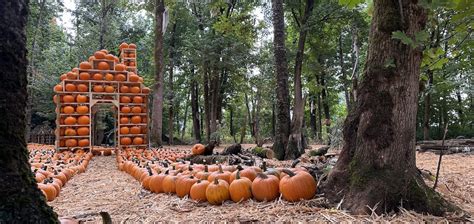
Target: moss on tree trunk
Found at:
20, 199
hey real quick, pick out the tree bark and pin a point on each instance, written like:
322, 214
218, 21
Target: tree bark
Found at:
343, 75
427, 107
355, 66
22, 201
157, 115
312, 117
231, 123
207, 106
170, 86
183, 131
325, 102
376, 168
195, 107
295, 146
281, 73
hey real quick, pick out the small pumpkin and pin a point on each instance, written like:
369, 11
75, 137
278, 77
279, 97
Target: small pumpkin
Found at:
265, 188
248, 172
135, 89
169, 184
103, 65
124, 130
240, 189
70, 87
82, 109
83, 142
198, 149
98, 88
198, 190
220, 174
68, 98
297, 186
137, 140
70, 120
184, 184
71, 142
58, 88
120, 67
82, 88
82, 131
217, 192
83, 120
109, 77
135, 130
156, 183
125, 99
136, 119
85, 65
136, 110
71, 75
132, 46
68, 109
125, 109
99, 55
137, 99
133, 77
124, 89
81, 98
125, 141
98, 76
109, 89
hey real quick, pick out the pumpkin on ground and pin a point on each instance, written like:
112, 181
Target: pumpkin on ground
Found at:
184, 184
297, 185
169, 184
265, 188
217, 192
156, 183
198, 190
198, 149
240, 189
220, 174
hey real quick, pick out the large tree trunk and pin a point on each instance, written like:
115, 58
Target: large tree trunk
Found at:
281, 73
157, 115
22, 201
32, 71
185, 118
312, 116
355, 66
195, 108
170, 86
295, 146
207, 104
325, 102
345, 84
376, 168
427, 107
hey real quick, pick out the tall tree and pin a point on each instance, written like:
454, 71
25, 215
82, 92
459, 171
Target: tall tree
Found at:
296, 142
281, 75
22, 201
170, 84
157, 114
377, 168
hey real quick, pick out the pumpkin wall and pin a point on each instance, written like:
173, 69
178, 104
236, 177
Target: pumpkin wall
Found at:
103, 79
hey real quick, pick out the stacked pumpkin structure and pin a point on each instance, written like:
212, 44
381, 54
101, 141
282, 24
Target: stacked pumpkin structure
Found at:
104, 78
52, 170
218, 183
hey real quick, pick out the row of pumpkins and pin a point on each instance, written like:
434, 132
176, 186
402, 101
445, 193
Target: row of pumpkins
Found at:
218, 183
52, 170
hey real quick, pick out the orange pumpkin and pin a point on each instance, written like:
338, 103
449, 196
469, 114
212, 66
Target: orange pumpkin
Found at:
137, 140
146, 90
68, 109
265, 188
70, 87
109, 89
70, 120
131, 64
85, 65
198, 149
84, 76
135, 130
133, 77
81, 98
124, 120
124, 89
110, 57
125, 141
82, 88
123, 45
198, 190
136, 119
136, 110
125, 109
83, 120
98, 88
68, 99
169, 184
63, 77
71, 142
297, 185
135, 89
125, 99
120, 67
70, 131
120, 77
240, 189
71, 75
124, 130
99, 55
137, 99
217, 192
83, 131
82, 109
58, 88
156, 183
103, 65
132, 46
83, 142
97, 76
184, 184
109, 77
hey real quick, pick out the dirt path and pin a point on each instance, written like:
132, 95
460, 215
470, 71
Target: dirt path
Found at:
104, 188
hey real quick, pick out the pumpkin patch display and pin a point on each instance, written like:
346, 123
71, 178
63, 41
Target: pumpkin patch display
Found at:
104, 78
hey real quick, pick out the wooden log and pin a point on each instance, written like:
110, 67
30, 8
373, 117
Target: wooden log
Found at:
232, 150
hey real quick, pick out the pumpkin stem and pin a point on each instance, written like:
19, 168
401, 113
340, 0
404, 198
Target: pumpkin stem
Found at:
216, 181
191, 163
220, 169
295, 162
206, 169
264, 166
199, 181
239, 167
149, 171
289, 172
262, 175
237, 176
